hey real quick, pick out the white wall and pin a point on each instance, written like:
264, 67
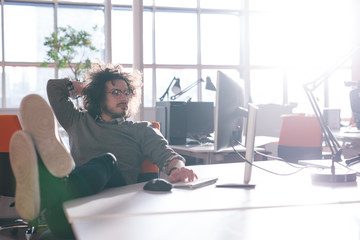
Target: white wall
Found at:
149, 114
9, 111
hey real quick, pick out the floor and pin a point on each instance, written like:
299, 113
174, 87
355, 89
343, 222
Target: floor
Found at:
11, 234
19, 234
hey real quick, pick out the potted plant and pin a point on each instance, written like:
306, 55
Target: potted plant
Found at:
65, 45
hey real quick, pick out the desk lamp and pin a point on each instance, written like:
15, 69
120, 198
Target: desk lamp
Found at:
334, 175
209, 86
175, 89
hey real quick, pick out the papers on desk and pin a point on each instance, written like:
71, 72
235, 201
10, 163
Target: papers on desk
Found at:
352, 130
196, 183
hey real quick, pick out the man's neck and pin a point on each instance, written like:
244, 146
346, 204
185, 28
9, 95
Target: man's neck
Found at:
107, 118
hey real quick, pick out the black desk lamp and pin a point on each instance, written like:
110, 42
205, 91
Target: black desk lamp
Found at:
335, 175
175, 89
209, 86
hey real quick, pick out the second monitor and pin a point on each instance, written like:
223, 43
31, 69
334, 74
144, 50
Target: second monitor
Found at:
200, 120
181, 120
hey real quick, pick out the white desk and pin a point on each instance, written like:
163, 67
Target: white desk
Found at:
210, 156
330, 222
279, 207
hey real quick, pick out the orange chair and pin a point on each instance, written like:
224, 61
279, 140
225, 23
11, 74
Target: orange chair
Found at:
300, 138
148, 169
8, 125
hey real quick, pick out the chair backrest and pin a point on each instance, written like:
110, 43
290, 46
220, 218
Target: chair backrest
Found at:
148, 169
8, 125
300, 138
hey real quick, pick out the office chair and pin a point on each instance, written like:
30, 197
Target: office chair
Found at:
300, 138
148, 169
8, 125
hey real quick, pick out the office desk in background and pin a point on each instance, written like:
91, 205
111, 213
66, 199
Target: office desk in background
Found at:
209, 155
350, 138
279, 207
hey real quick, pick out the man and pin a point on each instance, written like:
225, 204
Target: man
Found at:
107, 148
111, 96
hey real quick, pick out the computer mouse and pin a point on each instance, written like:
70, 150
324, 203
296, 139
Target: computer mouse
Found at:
158, 184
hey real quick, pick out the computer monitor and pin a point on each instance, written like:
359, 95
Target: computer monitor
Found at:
250, 149
250, 141
355, 105
228, 118
200, 119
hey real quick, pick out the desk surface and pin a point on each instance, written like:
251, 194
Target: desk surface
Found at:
330, 222
208, 153
219, 211
347, 134
260, 141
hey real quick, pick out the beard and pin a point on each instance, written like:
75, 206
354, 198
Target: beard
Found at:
114, 114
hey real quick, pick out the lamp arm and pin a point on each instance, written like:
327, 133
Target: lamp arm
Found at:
167, 90
329, 137
309, 87
315, 84
186, 89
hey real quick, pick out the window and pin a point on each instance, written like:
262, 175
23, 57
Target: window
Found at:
23, 39
292, 44
276, 46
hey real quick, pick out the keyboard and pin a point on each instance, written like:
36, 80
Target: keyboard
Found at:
201, 182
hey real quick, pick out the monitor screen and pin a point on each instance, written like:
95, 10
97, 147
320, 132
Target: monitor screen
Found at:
228, 119
200, 119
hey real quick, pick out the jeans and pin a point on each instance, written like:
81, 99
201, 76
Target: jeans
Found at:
85, 180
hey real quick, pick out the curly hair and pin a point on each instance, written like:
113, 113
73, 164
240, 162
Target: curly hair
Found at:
94, 90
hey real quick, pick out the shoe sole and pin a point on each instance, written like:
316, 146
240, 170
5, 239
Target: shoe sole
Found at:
38, 119
23, 160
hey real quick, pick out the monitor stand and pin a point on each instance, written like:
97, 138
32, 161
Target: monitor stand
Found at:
235, 185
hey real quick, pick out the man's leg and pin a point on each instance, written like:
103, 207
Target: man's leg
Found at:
38, 190
38, 119
85, 180
23, 161
56, 180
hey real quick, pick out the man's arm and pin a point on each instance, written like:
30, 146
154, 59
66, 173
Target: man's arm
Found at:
78, 87
178, 172
59, 91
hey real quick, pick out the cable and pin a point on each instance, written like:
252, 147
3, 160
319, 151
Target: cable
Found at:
275, 173
275, 158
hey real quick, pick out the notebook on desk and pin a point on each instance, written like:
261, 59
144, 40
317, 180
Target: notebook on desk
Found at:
201, 182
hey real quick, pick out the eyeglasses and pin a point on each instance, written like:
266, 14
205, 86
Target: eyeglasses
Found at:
118, 92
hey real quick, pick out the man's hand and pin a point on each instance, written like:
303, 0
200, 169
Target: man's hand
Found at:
79, 87
181, 174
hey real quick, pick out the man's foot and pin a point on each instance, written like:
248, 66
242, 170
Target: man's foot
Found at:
38, 120
24, 163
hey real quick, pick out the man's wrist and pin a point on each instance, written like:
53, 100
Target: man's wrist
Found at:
72, 91
171, 170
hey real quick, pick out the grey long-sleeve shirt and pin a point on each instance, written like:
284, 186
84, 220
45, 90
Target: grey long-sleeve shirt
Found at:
131, 142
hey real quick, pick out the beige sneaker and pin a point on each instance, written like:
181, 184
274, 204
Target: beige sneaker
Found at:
38, 120
24, 163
